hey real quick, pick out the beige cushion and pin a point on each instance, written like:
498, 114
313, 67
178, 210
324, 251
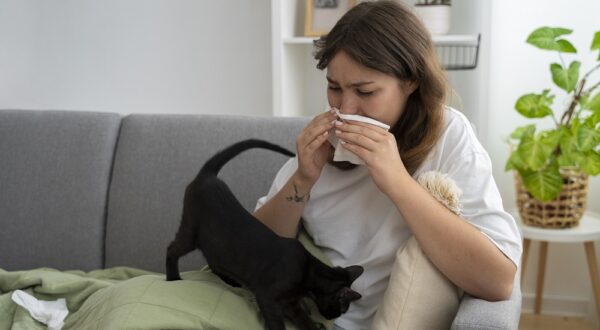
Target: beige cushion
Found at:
418, 295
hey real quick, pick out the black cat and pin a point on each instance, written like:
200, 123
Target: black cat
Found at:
241, 250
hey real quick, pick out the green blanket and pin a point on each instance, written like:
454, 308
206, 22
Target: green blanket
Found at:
127, 298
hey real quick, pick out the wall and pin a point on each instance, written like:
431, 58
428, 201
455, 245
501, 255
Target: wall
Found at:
470, 86
517, 68
181, 56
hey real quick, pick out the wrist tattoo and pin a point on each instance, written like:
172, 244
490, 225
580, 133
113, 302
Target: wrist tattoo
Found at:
298, 198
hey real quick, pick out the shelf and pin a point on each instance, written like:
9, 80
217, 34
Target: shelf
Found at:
299, 40
456, 52
464, 39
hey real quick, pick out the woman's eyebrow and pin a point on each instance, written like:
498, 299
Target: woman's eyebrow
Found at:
356, 84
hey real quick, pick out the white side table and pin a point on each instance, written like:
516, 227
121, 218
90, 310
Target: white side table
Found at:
587, 232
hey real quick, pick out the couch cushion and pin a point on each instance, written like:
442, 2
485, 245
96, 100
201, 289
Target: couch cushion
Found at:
158, 155
54, 173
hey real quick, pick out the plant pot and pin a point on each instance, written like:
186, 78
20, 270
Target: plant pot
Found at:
435, 17
563, 212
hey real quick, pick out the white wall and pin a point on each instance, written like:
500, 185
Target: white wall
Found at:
517, 68
183, 56
470, 86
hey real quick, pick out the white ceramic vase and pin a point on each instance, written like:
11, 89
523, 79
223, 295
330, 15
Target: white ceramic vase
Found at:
435, 17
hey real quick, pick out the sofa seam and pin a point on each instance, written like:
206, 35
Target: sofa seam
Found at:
108, 189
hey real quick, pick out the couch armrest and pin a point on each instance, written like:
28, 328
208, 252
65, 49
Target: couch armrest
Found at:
474, 313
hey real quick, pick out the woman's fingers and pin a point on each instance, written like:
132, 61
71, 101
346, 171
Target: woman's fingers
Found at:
315, 129
318, 141
319, 130
311, 148
364, 135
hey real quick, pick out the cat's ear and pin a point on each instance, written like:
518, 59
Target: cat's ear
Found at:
354, 272
348, 295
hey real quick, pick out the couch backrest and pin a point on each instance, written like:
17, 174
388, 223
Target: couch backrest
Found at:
54, 172
158, 155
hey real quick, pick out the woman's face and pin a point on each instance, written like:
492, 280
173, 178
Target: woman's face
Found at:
358, 90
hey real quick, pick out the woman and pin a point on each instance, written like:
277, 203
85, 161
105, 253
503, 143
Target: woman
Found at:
381, 64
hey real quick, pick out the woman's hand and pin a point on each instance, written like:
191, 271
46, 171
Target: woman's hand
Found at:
377, 148
313, 149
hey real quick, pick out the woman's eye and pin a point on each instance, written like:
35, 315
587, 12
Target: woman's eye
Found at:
333, 88
364, 92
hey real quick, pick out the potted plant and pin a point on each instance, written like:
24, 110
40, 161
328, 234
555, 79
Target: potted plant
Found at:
435, 15
552, 166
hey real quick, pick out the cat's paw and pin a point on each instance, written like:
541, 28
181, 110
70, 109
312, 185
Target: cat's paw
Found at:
173, 278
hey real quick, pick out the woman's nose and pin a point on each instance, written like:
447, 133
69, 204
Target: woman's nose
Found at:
348, 106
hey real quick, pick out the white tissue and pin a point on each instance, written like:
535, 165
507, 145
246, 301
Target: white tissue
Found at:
342, 154
51, 313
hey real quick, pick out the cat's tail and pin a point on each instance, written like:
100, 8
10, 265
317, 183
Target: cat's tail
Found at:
214, 164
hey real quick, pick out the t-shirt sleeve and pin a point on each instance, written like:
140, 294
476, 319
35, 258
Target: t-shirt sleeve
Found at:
482, 203
461, 156
284, 174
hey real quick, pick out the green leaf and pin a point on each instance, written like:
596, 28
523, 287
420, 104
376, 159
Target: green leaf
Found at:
587, 138
566, 78
535, 105
514, 162
566, 159
546, 38
594, 103
568, 148
568, 142
583, 100
518, 133
590, 163
535, 151
544, 185
593, 119
596, 41
575, 123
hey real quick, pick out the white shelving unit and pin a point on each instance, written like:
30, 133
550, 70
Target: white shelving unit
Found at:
299, 88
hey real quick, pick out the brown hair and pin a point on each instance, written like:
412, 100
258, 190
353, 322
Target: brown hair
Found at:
388, 37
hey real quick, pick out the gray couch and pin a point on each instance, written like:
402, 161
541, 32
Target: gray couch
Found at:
82, 190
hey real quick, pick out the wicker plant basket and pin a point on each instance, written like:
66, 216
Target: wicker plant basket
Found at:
563, 212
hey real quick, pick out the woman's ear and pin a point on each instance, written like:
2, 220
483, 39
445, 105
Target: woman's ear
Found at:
408, 86
411, 86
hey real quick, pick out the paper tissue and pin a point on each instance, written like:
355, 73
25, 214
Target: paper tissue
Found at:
342, 154
51, 313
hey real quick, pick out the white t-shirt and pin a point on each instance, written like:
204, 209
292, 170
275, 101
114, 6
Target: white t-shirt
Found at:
356, 224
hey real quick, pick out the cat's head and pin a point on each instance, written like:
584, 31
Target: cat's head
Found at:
336, 296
